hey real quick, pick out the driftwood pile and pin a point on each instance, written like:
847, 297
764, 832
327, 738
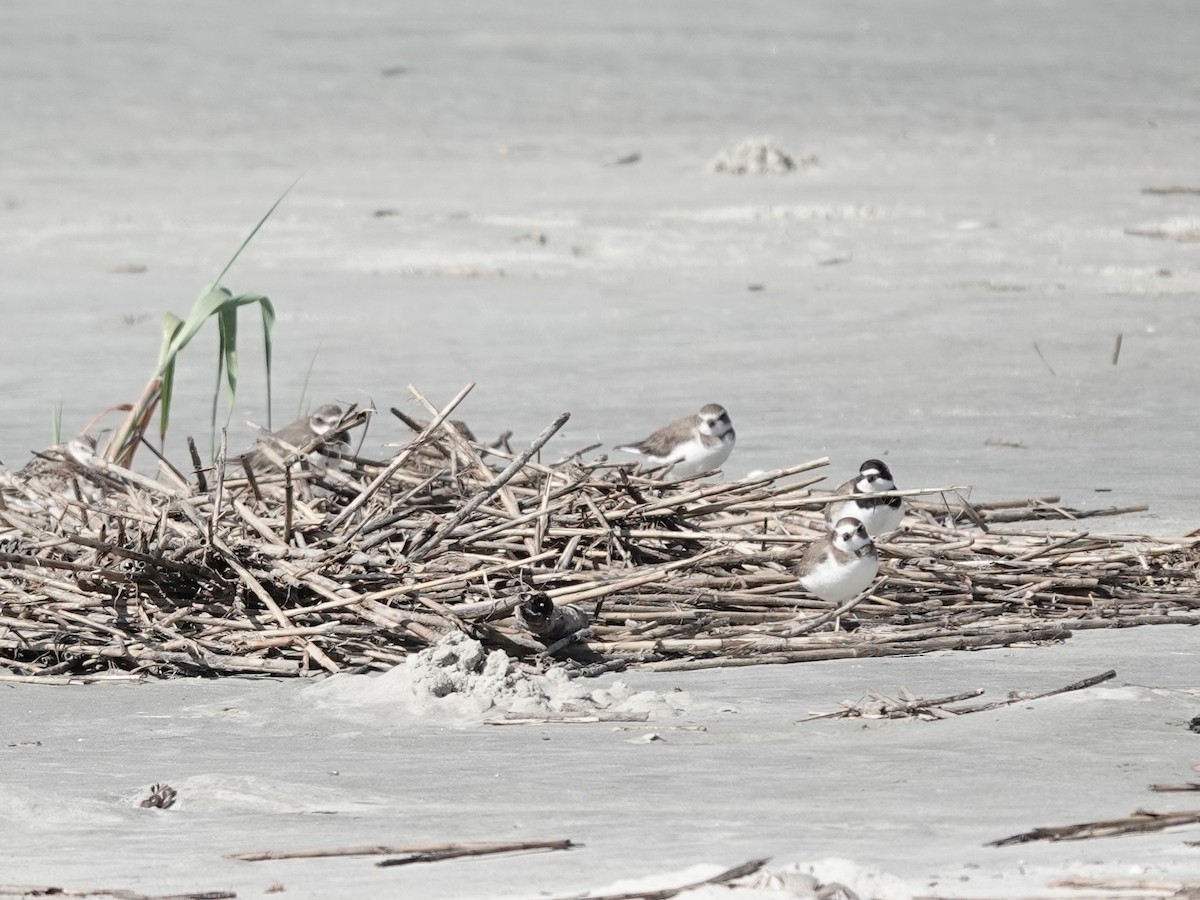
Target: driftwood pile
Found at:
107, 573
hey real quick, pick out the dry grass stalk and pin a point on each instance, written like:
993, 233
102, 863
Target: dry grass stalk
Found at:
1141, 822
105, 570
880, 706
46, 890
430, 851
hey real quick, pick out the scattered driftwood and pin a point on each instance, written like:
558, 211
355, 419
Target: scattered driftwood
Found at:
880, 706
1025, 698
105, 572
418, 853
741, 871
1141, 822
1165, 887
44, 890
452, 852
91, 678
581, 718
875, 705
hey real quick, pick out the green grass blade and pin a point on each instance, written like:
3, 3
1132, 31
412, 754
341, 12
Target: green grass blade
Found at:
253, 232
227, 325
56, 424
206, 306
170, 327
166, 370
214, 300
164, 401
268, 325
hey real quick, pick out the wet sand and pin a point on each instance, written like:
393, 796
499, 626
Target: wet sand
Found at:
947, 280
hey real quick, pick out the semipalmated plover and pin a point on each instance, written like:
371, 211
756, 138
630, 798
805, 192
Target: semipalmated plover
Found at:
695, 444
50, 475
293, 436
53, 461
841, 565
880, 515
539, 616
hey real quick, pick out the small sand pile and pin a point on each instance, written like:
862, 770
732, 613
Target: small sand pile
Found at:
459, 677
827, 879
756, 156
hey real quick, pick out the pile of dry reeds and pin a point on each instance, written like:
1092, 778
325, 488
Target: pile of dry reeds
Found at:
109, 573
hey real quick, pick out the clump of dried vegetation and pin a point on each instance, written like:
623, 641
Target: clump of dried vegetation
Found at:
105, 572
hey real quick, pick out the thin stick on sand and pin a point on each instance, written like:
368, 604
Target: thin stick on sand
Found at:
740, 871
41, 890
1074, 686
431, 851
1141, 822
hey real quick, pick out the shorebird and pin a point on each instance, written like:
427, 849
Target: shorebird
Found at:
293, 436
841, 565
49, 476
880, 515
540, 617
694, 444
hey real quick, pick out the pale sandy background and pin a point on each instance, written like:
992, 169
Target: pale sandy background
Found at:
979, 169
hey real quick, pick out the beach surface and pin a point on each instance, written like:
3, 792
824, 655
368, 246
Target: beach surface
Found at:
982, 268
724, 769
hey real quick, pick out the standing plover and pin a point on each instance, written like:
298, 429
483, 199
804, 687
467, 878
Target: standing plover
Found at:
694, 444
293, 436
841, 565
880, 515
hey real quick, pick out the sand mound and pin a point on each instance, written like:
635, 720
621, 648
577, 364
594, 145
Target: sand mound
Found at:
829, 878
460, 679
826, 879
756, 156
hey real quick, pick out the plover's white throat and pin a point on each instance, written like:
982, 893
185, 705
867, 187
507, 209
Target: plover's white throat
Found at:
293, 436
880, 515
693, 444
841, 565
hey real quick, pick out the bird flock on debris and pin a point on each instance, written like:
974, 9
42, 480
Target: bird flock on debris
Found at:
836, 568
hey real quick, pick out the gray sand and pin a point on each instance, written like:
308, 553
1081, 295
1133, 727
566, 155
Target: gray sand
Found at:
972, 187
263, 765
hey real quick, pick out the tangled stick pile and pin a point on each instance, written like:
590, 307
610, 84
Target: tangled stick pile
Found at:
105, 572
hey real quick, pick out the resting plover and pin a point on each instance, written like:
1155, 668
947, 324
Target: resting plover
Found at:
880, 515
539, 616
52, 478
694, 444
295, 435
841, 565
